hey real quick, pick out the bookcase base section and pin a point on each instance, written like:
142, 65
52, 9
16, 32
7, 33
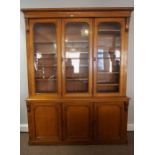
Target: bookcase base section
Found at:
74, 121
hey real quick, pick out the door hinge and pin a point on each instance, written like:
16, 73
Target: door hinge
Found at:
27, 24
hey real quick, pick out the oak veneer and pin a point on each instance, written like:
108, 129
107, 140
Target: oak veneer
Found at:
88, 117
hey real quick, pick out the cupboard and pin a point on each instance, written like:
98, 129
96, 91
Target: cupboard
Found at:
76, 60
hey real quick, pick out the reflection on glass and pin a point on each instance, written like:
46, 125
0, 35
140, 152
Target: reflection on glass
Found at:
74, 62
108, 57
45, 58
76, 57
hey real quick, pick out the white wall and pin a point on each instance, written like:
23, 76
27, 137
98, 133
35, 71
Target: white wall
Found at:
130, 71
73, 3
23, 72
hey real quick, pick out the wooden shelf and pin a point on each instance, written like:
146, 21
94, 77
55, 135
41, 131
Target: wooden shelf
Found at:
108, 30
107, 72
79, 66
77, 79
110, 58
76, 47
46, 53
47, 65
79, 52
108, 84
77, 41
79, 49
105, 50
48, 58
77, 58
47, 91
46, 79
48, 42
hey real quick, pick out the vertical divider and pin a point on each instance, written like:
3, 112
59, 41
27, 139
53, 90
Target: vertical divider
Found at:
92, 55
60, 53
90, 79
62, 56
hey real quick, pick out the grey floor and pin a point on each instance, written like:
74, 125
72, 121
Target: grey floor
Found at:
77, 149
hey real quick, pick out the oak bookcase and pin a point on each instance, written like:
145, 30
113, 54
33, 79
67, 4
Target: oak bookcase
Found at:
77, 61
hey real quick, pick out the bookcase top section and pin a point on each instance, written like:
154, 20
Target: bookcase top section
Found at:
77, 12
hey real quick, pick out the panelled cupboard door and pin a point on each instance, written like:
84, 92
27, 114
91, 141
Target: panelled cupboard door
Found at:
109, 56
108, 122
77, 57
44, 58
77, 122
46, 122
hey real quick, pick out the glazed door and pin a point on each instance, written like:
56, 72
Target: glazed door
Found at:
109, 56
77, 122
108, 122
76, 57
45, 71
45, 122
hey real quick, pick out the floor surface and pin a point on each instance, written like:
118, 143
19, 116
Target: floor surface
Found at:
127, 149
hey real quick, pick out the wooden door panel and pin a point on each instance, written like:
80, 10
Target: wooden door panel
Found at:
108, 121
77, 121
47, 121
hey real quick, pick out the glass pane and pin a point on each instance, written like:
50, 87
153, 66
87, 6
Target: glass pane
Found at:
76, 57
45, 58
108, 57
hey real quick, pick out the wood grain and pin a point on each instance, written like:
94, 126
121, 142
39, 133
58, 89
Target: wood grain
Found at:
77, 118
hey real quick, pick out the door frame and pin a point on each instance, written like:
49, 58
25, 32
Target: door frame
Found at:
30, 57
122, 80
89, 21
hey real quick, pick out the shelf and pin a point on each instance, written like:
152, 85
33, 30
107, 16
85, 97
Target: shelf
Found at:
110, 58
105, 50
107, 72
79, 66
108, 30
78, 41
77, 79
77, 58
77, 91
45, 53
48, 58
48, 42
78, 52
46, 91
76, 47
47, 65
46, 79
108, 84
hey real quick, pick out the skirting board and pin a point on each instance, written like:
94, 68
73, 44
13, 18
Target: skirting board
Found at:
24, 127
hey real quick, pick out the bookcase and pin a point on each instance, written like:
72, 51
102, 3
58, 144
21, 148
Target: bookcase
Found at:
77, 61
